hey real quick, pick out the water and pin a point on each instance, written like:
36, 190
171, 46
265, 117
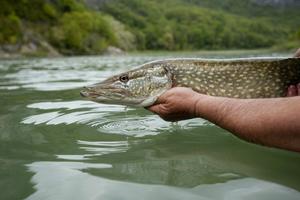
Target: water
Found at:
56, 145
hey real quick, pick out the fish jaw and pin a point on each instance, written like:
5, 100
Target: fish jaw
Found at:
139, 88
109, 96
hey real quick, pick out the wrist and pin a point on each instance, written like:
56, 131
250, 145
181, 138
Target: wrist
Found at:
195, 104
214, 109
201, 105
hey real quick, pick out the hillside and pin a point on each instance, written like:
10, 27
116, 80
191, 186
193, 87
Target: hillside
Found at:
192, 24
77, 27
275, 11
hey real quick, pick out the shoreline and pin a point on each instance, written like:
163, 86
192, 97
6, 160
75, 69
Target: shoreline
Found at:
225, 53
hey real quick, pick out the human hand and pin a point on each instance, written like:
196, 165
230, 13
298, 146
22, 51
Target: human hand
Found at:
176, 104
293, 90
180, 103
297, 54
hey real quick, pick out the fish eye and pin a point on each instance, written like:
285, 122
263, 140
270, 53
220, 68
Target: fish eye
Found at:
124, 78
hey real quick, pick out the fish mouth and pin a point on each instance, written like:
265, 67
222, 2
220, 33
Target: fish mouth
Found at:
104, 93
88, 92
84, 93
111, 96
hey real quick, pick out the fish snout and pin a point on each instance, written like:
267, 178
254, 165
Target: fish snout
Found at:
85, 92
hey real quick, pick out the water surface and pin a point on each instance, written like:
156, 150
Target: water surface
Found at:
56, 145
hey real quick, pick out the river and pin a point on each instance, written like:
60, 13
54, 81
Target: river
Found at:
56, 145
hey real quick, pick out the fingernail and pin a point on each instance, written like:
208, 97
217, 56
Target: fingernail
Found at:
291, 91
298, 89
292, 87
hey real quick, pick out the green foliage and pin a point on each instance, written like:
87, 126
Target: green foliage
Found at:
50, 10
10, 29
66, 24
72, 28
297, 36
70, 5
82, 32
177, 25
124, 38
283, 15
32, 10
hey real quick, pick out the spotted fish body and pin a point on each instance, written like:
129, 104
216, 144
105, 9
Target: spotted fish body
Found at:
236, 78
239, 78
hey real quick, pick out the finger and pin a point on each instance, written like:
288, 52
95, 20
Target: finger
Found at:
292, 91
297, 54
155, 108
160, 99
298, 89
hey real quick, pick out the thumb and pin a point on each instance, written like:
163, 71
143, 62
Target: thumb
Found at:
297, 54
155, 108
163, 97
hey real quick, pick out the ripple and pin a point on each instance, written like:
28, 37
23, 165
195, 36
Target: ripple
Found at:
63, 73
142, 126
103, 143
64, 116
41, 118
112, 119
101, 148
66, 104
52, 80
97, 148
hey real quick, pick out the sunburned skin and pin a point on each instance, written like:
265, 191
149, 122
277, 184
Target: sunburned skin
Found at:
297, 54
293, 90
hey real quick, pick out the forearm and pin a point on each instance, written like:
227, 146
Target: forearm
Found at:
272, 122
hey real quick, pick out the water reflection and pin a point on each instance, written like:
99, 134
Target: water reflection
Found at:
113, 119
181, 160
97, 148
68, 112
67, 180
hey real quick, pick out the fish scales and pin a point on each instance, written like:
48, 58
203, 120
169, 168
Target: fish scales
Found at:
247, 78
236, 78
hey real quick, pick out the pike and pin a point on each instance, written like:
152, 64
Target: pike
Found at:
235, 78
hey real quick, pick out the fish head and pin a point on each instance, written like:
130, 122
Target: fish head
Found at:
139, 87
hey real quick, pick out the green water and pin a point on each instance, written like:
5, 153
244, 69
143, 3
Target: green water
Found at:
56, 145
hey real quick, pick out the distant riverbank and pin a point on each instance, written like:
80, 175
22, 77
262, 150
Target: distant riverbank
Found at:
158, 53
41, 28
